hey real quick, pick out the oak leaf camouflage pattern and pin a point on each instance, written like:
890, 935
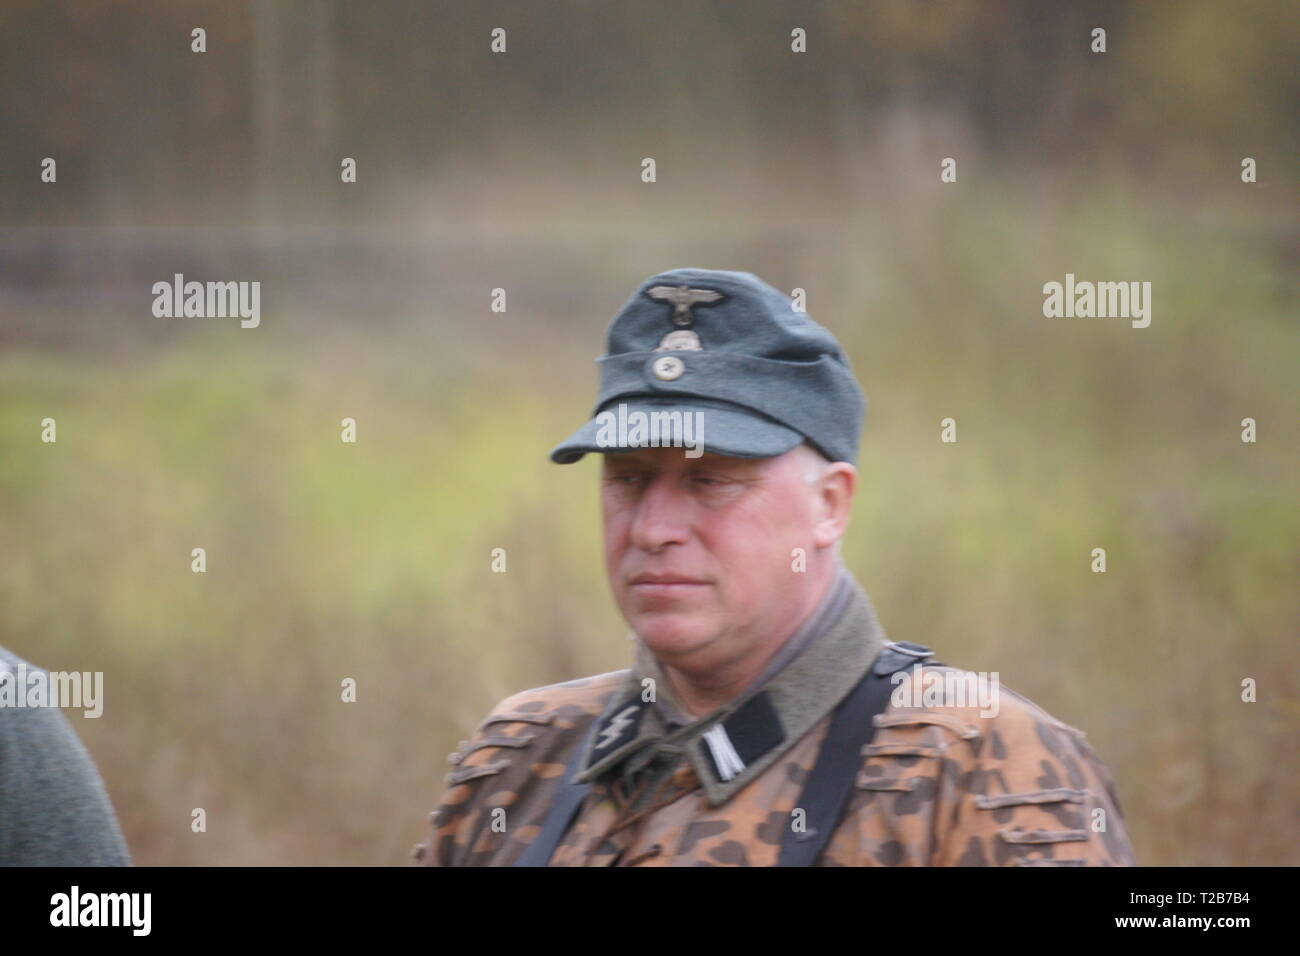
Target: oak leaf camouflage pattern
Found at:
938, 786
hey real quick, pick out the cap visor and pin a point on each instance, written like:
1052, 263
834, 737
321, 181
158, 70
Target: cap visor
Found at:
718, 429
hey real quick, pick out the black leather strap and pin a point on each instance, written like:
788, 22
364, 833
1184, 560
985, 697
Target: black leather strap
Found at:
567, 801
829, 785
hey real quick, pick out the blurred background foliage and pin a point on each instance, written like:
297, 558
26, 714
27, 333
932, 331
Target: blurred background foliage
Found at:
818, 171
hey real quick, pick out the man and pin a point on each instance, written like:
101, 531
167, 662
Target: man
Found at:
54, 810
765, 719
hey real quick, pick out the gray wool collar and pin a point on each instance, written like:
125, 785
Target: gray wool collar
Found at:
814, 670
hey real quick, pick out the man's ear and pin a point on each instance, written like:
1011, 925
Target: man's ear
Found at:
835, 489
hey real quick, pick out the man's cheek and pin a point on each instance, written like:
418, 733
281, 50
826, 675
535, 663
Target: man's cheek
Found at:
615, 536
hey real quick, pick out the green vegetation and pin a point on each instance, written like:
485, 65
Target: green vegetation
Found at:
371, 561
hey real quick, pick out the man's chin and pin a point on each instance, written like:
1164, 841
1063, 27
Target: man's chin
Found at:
672, 635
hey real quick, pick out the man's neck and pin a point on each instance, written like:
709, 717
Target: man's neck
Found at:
702, 693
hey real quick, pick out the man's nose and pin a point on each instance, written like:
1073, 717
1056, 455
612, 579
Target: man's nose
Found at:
662, 515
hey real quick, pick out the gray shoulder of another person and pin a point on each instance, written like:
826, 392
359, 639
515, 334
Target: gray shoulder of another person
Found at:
54, 810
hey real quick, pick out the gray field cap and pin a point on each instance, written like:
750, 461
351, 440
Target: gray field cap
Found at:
730, 346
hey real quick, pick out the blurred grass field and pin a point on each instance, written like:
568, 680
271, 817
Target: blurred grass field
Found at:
371, 561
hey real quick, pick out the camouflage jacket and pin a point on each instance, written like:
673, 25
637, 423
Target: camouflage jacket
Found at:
945, 781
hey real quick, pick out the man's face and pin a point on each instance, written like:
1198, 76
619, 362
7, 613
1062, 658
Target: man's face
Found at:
699, 551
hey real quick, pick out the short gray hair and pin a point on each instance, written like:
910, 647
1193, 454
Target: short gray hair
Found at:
815, 463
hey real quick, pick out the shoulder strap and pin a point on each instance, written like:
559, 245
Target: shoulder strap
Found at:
567, 801
830, 783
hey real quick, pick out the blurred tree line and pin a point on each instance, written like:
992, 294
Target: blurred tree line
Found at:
254, 127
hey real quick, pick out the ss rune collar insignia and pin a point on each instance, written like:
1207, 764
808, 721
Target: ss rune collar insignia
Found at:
681, 298
613, 730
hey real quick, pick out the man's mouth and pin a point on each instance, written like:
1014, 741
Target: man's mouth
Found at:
665, 583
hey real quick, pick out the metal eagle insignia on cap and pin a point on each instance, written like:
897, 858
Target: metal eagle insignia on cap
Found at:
681, 298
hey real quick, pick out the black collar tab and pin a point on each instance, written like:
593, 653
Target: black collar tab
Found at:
753, 730
616, 729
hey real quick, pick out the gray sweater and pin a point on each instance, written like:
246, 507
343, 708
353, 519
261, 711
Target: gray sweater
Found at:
54, 810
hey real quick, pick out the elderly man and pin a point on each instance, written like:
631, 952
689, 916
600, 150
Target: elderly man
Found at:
765, 719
